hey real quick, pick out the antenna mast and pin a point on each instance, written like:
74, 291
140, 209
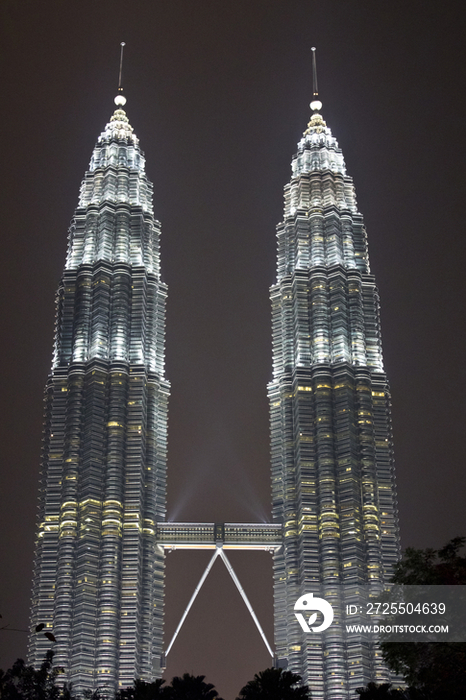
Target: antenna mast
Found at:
316, 104
315, 91
120, 99
122, 45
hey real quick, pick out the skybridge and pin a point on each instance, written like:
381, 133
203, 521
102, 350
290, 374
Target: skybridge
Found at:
219, 537
243, 536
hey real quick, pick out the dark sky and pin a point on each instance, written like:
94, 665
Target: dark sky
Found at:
218, 93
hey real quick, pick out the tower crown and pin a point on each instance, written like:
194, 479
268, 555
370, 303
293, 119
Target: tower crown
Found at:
116, 172
318, 149
119, 129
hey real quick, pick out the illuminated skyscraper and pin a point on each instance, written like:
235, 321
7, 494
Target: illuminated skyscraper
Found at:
99, 564
332, 459
98, 578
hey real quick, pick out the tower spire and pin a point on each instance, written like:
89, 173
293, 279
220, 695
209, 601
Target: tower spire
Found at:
120, 99
315, 91
316, 104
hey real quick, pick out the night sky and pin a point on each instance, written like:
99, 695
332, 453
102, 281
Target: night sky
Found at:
218, 93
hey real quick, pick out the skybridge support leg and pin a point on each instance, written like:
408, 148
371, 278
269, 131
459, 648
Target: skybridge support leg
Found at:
193, 597
219, 552
245, 598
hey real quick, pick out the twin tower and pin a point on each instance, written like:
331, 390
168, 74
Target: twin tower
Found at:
99, 563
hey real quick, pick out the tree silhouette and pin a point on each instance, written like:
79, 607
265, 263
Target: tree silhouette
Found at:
142, 690
23, 682
432, 567
384, 691
275, 684
190, 687
436, 669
